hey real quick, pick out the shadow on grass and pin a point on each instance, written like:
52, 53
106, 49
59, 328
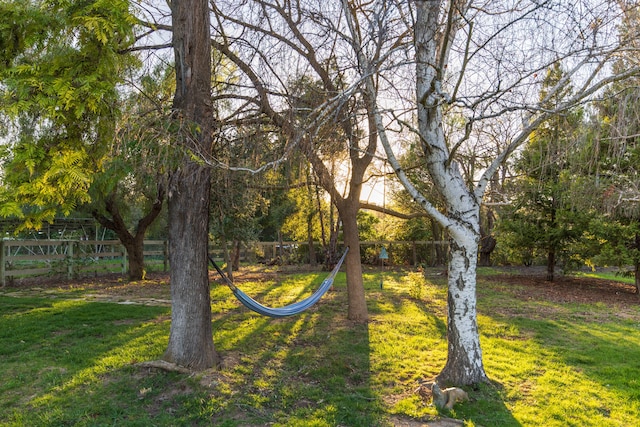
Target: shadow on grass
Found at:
55, 355
565, 371
313, 369
606, 353
310, 369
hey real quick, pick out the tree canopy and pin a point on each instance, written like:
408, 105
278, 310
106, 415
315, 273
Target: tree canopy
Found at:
60, 69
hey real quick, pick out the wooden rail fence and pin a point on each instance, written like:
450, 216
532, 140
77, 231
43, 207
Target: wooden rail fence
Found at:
75, 258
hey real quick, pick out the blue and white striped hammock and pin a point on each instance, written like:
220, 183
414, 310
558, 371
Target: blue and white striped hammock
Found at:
288, 310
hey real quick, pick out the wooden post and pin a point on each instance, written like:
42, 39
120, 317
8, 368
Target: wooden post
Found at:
2, 264
165, 255
123, 254
415, 253
70, 260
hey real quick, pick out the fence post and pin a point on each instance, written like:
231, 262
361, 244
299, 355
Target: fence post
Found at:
70, 260
123, 251
165, 255
2, 262
414, 249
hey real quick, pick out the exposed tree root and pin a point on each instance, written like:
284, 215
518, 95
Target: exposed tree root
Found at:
165, 366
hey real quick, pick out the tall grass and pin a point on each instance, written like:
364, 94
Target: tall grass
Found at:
66, 361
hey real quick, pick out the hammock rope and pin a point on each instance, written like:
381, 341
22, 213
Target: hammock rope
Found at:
288, 310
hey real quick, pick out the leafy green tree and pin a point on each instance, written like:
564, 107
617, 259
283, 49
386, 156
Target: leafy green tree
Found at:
614, 242
128, 191
73, 144
60, 64
543, 220
615, 234
614, 237
609, 163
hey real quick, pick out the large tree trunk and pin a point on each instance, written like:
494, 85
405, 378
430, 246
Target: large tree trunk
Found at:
487, 246
462, 221
190, 337
357, 310
235, 258
487, 241
464, 355
135, 258
133, 243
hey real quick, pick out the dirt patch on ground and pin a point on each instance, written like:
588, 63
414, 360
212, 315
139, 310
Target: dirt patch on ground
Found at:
617, 300
569, 289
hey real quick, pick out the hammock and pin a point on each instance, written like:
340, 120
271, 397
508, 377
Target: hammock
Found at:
288, 310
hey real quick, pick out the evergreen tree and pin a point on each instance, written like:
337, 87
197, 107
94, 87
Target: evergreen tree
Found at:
543, 220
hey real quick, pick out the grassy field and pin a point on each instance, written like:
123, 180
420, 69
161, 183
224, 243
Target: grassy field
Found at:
66, 359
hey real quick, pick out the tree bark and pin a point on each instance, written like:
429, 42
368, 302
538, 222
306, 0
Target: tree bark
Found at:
190, 338
464, 355
235, 259
135, 257
133, 242
487, 241
462, 221
551, 264
357, 310
487, 245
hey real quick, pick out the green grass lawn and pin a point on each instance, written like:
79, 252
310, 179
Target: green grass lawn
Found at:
67, 361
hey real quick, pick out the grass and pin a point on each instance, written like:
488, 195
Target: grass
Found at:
609, 275
67, 361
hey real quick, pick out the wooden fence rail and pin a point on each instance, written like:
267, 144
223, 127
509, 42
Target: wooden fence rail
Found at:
75, 258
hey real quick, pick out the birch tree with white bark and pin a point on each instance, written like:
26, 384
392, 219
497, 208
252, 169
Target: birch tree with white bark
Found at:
482, 60
470, 66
